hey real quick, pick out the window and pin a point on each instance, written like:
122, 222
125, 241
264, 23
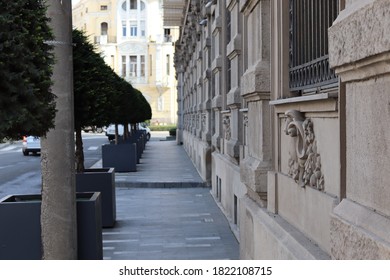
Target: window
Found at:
308, 49
142, 28
124, 29
135, 18
235, 216
228, 61
168, 64
133, 28
124, 6
103, 8
123, 66
167, 35
103, 28
133, 4
228, 26
228, 75
133, 66
142, 66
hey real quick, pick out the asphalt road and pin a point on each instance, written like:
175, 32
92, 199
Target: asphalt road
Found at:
21, 174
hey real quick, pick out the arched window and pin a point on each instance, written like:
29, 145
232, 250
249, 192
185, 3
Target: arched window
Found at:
124, 6
132, 15
103, 28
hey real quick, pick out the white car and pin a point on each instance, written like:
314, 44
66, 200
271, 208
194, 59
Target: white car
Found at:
31, 144
110, 131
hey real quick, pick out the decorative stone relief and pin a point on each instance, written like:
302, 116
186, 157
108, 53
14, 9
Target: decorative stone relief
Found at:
226, 125
204, 117
305, 164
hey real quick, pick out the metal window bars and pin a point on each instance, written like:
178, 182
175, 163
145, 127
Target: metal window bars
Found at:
308, 49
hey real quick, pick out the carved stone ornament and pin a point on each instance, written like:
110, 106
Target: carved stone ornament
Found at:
305, 167
204, 118
226, 125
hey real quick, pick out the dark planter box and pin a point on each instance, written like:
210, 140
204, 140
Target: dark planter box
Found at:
20, 234
100, 180
123, 157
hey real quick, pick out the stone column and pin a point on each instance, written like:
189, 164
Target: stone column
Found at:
359, 51
255, 87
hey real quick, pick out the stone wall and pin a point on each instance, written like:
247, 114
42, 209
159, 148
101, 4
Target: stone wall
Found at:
300, 174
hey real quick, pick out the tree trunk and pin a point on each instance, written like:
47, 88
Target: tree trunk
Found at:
58, 212
125, 131
79, 151
116, 134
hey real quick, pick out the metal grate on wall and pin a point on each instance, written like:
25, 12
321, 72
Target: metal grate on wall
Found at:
308, 50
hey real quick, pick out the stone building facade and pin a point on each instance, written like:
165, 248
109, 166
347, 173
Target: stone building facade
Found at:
284, 108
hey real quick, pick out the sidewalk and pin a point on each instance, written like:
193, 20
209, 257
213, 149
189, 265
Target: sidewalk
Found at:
165, 211
163, 164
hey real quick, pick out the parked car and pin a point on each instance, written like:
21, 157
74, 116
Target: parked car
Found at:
31, 144
93, 129
110, 131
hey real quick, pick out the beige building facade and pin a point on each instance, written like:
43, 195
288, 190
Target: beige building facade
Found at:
284, 107
135, 42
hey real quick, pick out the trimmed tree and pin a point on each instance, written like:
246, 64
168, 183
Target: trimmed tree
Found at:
27, 104
93, 86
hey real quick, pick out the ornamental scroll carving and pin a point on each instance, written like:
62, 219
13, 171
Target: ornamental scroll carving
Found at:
305, 167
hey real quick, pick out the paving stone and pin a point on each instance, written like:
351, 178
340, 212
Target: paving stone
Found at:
165, 211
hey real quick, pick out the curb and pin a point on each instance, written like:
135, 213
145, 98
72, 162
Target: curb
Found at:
160, 185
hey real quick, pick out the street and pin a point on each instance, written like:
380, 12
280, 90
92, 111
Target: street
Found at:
21, 174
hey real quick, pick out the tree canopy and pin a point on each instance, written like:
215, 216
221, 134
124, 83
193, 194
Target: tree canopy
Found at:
27, 105
101, 97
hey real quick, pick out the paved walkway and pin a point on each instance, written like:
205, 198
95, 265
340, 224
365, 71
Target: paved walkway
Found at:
164, 211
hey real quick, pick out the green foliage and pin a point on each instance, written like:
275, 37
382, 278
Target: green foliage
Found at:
162, 127
93, 83
172, 132
27, 105
100, 95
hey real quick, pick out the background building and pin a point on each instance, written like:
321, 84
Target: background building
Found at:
134, 41
284, 108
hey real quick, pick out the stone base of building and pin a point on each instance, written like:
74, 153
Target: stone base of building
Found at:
227, 188
264, 235
358, 232
200, 153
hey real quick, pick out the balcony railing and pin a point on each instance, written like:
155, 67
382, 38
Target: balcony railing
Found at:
105, 39
309, 23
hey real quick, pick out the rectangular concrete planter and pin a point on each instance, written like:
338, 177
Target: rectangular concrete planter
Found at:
123, 157
20, 233
139, 146
100, 180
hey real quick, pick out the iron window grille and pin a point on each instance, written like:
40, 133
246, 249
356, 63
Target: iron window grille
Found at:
308, 49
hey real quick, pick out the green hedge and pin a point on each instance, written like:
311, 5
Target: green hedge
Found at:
162, 127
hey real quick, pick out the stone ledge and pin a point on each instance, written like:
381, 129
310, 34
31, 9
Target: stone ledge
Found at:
359, 233
160, 185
